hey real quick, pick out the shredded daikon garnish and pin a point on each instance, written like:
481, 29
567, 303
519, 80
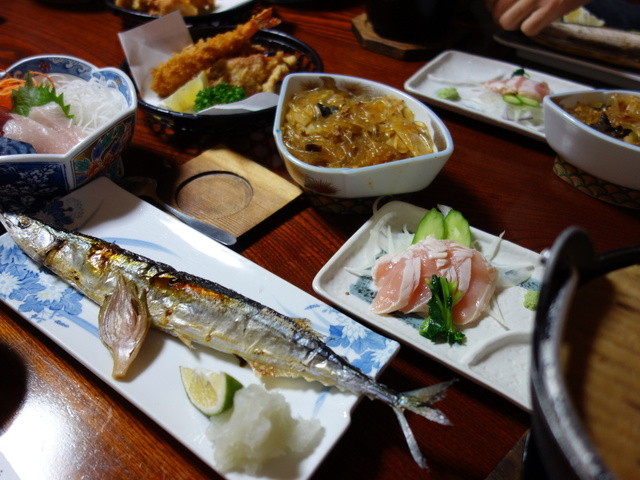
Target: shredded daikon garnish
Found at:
495, 313
490, 255
382, 239
93, 103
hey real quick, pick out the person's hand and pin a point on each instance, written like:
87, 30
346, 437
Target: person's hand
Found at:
530, 16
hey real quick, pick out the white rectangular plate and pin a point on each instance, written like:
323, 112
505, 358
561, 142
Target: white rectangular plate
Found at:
104, 210
467, 73
497, 351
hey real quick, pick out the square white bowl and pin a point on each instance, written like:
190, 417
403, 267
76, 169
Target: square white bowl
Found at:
587, 149
392, 178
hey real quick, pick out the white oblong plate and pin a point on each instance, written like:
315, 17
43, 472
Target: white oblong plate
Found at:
467, 73
504, 333
106, 211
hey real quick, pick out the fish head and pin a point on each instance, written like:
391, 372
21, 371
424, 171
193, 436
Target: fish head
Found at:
32, 236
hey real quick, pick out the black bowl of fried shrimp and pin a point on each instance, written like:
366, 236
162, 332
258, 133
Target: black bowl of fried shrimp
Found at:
194, 12
256, 67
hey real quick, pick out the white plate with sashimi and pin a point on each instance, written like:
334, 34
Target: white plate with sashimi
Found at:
104, 210
496, 349
477, 87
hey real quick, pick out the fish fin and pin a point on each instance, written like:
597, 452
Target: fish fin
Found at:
305, 324
266, 370
411, 440
420, 401
186, 340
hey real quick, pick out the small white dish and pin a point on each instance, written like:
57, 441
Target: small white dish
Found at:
497, 351
584, 147
391, 178
153, 384
467, 73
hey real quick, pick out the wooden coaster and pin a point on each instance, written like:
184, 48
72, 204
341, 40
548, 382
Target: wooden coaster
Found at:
227, 190
370, 40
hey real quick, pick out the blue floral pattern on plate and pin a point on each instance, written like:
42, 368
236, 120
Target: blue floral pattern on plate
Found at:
38, 294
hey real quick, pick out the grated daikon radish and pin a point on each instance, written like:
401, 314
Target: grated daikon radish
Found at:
259, 428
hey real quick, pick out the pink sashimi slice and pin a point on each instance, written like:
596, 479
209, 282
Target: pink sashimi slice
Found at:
520, 85
402, 278
46, 129
481, 287
398, 280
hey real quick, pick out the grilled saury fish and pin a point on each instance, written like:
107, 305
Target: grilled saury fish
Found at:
198, 310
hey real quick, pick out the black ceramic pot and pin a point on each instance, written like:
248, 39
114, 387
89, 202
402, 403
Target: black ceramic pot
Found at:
560, 446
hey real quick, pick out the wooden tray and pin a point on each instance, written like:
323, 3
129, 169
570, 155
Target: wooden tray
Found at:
227, 190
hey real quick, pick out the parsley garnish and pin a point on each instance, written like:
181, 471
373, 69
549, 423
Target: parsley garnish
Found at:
220, 93
31, 95
438, 326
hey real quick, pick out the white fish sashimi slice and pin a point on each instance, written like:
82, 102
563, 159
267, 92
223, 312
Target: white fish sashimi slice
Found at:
46, 128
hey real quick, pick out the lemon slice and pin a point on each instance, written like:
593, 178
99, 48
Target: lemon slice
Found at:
210, 392
183, 99
582, 16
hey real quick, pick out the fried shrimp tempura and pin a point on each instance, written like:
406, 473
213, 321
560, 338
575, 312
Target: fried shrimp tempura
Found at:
170, 75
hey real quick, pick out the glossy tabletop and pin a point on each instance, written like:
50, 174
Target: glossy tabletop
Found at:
59, 421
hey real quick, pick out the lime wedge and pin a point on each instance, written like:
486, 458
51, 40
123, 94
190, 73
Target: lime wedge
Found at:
210, 392
183, 99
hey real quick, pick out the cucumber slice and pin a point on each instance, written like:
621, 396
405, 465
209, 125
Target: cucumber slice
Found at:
528, 101
457, 228
512, 99
432, 223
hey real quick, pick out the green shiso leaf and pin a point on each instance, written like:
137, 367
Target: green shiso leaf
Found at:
31, 95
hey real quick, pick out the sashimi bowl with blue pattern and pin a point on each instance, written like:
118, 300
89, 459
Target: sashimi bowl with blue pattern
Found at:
63, 122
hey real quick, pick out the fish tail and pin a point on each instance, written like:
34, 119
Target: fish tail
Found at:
420, 401
411, 440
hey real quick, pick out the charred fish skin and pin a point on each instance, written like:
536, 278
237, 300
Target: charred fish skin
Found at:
201, 311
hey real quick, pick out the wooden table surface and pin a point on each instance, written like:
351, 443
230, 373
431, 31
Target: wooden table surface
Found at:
59, 421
